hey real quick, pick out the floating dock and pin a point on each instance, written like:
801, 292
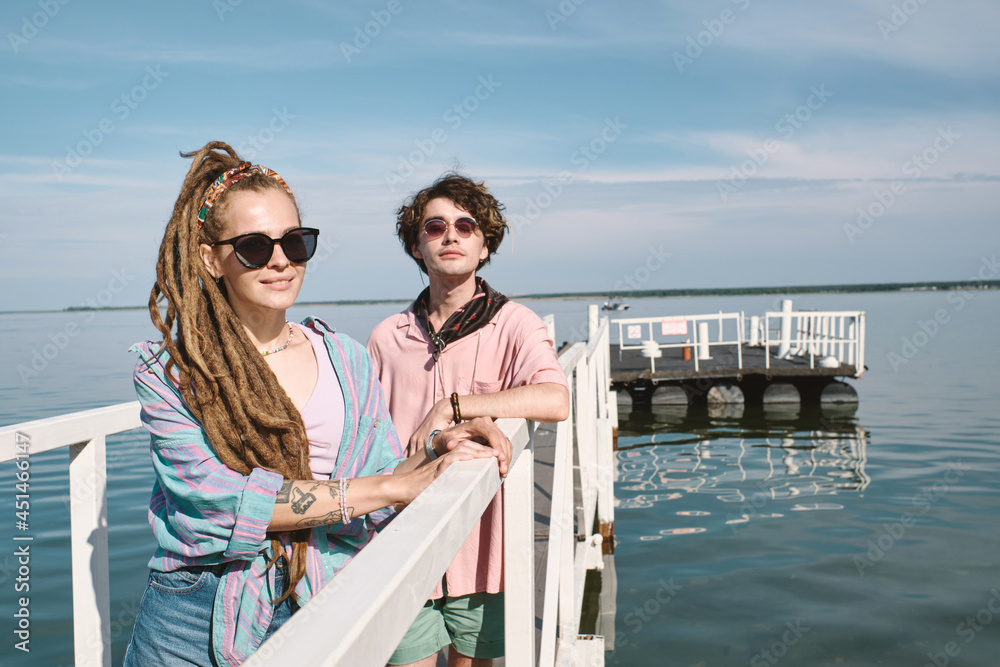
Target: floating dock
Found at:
779, 357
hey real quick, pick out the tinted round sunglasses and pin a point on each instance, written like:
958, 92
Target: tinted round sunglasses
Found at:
254, 250
436, 227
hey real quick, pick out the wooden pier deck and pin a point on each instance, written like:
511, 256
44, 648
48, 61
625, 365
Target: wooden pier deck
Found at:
753, 380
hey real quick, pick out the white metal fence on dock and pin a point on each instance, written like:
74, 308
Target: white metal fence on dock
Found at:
813, 334
694, 329
817, 334
396, 573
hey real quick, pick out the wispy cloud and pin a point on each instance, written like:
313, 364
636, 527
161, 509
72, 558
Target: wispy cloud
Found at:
307, 54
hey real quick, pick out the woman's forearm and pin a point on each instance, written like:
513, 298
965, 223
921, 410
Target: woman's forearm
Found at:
308, 503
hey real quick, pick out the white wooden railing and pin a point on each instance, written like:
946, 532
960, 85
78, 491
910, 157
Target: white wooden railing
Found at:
84, 434
359, 617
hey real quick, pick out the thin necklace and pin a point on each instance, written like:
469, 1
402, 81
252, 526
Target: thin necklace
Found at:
291, 332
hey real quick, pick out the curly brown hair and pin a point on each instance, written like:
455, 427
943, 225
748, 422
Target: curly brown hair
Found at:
249, 419
465, 193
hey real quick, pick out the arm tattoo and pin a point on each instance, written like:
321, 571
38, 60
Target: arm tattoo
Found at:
284, 492
326, 519
301, 501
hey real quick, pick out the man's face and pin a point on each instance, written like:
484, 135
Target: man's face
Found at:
450, 254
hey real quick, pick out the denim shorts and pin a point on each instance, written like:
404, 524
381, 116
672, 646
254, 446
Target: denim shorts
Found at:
174, 623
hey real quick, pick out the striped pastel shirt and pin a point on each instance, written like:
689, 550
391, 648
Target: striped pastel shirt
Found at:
204, 513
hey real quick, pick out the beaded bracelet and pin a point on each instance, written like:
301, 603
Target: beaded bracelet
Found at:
429, 447
343, 502
454, 407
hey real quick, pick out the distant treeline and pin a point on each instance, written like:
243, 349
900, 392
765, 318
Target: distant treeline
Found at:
77, 308
653, 293
790, 289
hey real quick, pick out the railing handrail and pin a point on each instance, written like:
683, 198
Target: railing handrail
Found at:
647, 320
69, 429
815, 313
394, 574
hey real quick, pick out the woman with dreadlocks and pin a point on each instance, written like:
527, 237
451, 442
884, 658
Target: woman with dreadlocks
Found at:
275, 457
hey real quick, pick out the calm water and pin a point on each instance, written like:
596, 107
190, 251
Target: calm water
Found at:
864, 537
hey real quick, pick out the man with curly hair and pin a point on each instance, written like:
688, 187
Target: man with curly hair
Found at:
459, 351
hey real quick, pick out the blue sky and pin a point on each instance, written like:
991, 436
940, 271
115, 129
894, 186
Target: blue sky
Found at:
654, 145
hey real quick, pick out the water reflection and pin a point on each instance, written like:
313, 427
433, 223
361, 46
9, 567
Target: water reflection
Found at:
744, 456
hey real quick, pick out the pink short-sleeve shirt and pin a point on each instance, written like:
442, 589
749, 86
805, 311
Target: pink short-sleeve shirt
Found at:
512, 350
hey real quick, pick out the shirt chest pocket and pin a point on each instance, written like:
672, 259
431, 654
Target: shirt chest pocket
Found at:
372, 448
470, 386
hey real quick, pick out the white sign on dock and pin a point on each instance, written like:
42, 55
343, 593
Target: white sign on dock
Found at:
673, 327
635, 331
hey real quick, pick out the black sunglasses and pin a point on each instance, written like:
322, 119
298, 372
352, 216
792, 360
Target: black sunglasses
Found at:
254, 250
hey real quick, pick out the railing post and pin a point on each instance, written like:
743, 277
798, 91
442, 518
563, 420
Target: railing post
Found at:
605, 456
767, 341
89, 548
593, 321
861, 345
550, 328
569, 624
519, 560
585, 426
784, 342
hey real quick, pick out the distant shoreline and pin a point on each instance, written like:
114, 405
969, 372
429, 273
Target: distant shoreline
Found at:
638, 294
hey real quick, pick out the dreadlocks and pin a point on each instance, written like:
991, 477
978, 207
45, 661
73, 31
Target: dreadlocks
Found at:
249, 419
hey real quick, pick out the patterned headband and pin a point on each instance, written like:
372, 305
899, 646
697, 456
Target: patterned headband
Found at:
216, 189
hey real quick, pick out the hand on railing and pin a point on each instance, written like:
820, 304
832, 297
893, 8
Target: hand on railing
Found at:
477, 438
415, 481
482, 431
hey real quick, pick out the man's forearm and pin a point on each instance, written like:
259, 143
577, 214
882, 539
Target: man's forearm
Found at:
543, 402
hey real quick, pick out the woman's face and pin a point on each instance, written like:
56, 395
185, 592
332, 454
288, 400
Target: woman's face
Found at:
274, 286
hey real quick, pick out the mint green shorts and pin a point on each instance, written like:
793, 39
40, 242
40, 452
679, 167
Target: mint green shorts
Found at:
472, 624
